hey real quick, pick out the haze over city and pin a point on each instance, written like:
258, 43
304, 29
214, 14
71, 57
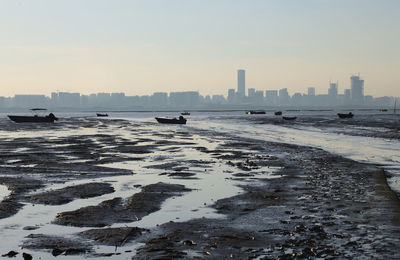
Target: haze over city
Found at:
141, 47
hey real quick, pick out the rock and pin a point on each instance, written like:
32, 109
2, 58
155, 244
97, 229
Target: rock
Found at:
57, 252
27, 256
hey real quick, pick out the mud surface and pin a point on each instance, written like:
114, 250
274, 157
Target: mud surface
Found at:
117, 210
68, 194
294, 202
323, 206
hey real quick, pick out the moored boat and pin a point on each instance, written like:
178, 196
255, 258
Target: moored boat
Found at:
255, 112
348, 115
50, 118
185, 113
289, 117
278, 113
181, 120
101, 114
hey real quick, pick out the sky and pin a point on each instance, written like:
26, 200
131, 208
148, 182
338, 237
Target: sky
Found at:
141, 47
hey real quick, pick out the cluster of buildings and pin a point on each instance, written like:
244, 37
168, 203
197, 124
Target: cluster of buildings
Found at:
352, 97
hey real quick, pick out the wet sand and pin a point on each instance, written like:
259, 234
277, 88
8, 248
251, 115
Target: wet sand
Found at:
293, 202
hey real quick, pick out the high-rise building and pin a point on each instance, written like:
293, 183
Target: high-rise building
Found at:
241, 83
311, 91
333, 89
66, 99
231, 95
347, 97
271, 97
357, 90
284, 98
185, 98
333, 93
251, 92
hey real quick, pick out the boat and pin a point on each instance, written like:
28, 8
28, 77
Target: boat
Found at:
348, 115
383, 110
101, 114
278, 113
50, 118
185, 113
255, 112
181, 120
289, 117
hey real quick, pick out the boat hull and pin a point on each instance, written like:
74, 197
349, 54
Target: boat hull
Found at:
101, 115
289, 117
252, 112
171, 121
350, 115
32, 119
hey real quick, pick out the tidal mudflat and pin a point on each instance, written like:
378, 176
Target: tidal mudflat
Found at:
121, 189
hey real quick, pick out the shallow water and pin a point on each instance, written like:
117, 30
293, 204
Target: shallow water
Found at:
315, 129
208, 184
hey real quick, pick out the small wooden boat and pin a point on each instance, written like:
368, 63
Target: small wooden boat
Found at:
101, 114
181, 120
289, 117
255, 112
278, 113
185, 113
348, 115
50, 118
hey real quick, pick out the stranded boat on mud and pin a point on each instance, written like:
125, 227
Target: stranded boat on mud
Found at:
50, 118
181, 120
255, 112
289, 117
349, 115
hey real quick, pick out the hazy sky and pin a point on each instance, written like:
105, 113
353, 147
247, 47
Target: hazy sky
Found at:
139, 47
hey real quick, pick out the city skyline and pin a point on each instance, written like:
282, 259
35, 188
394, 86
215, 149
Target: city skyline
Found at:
141, 47
239, 98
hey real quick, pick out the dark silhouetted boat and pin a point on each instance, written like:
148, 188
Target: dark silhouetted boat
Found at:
255, 112
180, 121
50, 118
185, 113
289, 117
348, 115
101, 114
278, 113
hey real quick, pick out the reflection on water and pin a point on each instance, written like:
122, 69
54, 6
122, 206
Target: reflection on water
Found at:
4, 192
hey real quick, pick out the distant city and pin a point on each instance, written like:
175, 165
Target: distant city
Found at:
235, 99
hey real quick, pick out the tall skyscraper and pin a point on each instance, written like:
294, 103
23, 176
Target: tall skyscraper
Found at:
357, 90
241, 83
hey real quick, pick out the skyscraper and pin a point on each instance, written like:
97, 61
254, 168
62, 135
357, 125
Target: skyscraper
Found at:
357, 90
333, 93
241, 83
